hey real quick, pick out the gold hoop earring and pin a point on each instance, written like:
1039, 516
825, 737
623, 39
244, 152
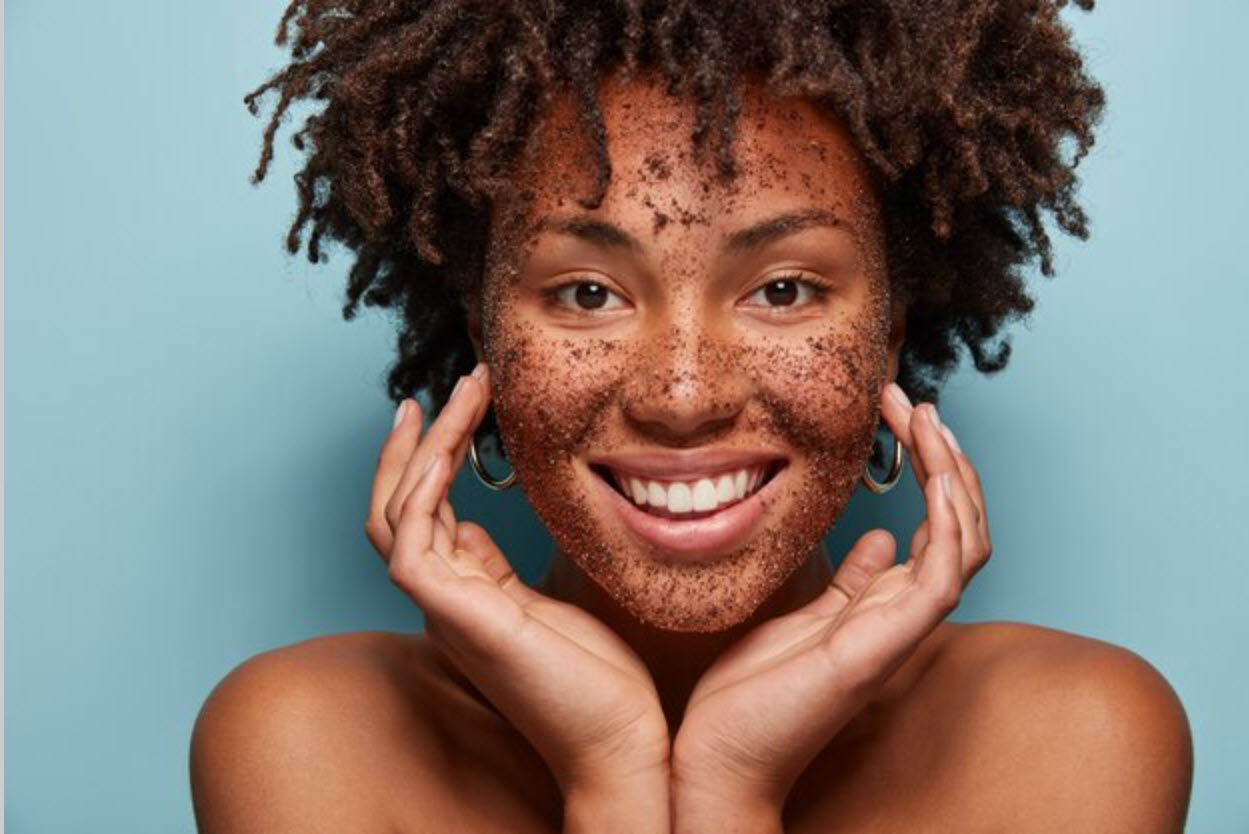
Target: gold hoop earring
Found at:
895, 472
497, 484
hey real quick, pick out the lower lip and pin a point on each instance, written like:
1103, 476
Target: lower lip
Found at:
698, 538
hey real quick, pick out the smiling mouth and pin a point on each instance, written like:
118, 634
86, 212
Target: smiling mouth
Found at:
690, 498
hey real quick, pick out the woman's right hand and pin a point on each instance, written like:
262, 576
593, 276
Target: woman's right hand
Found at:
575, 689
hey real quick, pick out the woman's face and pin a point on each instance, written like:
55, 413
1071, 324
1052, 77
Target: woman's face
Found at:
686, 378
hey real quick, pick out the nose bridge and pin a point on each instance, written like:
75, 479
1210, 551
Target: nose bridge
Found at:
686, 379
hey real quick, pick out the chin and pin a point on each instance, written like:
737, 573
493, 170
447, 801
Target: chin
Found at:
703, 599
674, 592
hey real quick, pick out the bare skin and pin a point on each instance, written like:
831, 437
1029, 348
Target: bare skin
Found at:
1038, 729
746, 687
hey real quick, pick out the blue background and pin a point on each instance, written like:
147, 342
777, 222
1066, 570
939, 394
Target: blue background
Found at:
192, 429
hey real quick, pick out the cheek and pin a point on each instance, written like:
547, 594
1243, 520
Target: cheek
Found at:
823, 390
550, 393
821, 398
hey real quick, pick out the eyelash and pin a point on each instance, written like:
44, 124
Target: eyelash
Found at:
554, 294
817, 290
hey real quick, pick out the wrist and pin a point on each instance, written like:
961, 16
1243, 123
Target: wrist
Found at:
636, 803
715, 803
702, 812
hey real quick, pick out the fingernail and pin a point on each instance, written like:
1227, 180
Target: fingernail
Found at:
945, 486
898, 394
456, 389
949, 438
932, 415
479, 371
400, 413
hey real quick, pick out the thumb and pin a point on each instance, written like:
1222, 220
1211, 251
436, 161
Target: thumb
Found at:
871, 555
475, 540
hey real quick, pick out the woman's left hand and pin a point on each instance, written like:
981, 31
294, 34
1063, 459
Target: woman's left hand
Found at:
770, 703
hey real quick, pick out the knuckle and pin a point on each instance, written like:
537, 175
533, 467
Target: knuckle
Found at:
947, 597
394, 508
370, 532
407, 506
375, 527
917, 414
401, 573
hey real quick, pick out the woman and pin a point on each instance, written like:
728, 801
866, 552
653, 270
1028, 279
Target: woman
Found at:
694, 257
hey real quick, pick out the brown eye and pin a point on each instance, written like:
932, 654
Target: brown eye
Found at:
786, 292
590, 296
781, 293
587, 296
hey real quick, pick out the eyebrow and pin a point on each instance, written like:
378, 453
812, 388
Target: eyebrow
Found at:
783, 225
760, 234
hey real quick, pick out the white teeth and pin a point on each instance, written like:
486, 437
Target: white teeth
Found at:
704, 495
680, 498
701, 495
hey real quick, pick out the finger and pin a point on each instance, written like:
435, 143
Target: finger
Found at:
971, 480
443, 436
472, 538
444, 533
938, 570
898, 413
415, 563
919, 539
933, 448
391, 462
482, 374
975, 551
469, 616
446, 514
870, 556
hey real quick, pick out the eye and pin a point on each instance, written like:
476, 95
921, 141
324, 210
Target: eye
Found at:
587, 296
786, 291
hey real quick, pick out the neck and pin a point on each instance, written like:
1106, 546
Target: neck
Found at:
677, 660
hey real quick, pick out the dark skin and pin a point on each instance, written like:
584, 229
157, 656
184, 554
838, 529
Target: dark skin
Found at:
745, 696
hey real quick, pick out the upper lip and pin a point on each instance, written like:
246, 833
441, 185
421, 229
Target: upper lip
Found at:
683, 464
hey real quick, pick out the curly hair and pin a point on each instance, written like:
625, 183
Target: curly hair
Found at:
972, 116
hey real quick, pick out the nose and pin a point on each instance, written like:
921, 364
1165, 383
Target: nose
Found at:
690, 383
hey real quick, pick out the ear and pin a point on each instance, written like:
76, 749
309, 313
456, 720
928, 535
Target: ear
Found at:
897, 336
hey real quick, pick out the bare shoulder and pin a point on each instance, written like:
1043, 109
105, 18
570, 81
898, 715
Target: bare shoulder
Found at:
1084, 735
354, 732
291, 738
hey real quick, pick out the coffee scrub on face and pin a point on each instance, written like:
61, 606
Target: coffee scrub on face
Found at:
681, 368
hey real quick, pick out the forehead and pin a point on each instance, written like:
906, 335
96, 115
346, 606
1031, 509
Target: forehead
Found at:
790, 155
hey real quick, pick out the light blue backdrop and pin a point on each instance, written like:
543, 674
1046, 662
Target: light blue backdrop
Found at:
192, 429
